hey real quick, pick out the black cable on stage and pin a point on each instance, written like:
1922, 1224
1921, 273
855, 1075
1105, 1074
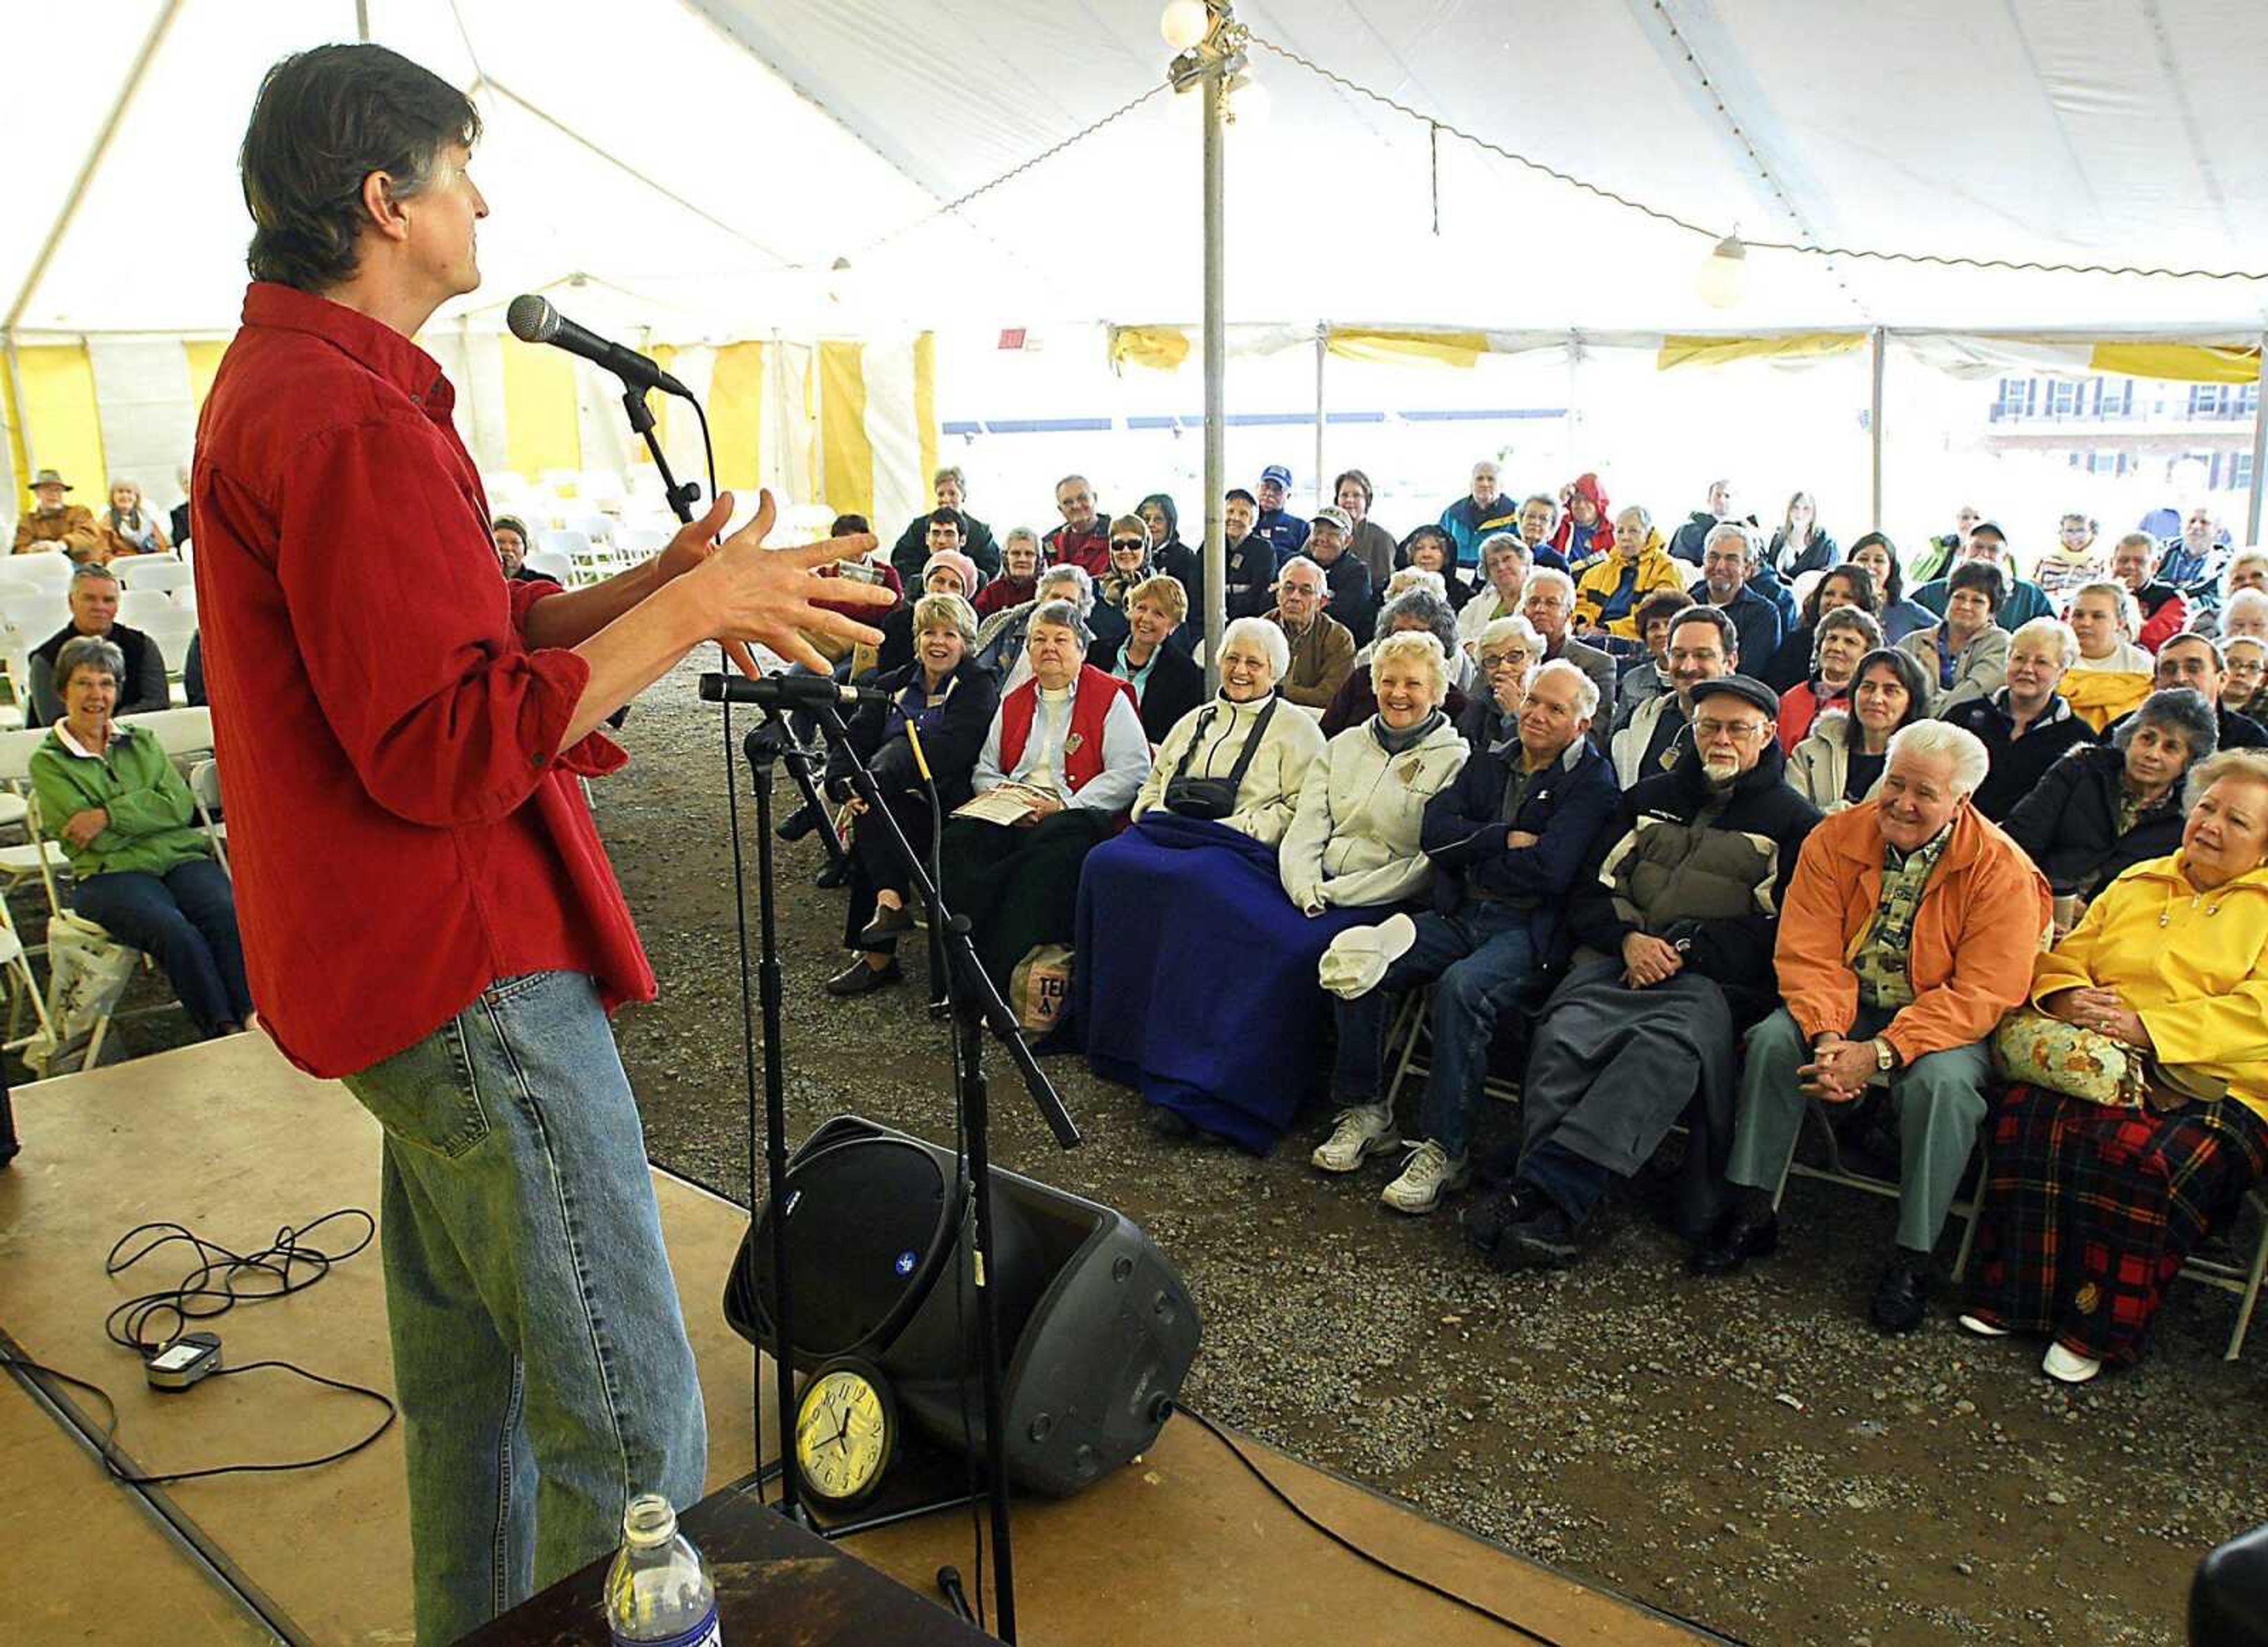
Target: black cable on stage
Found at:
106, 1448
221, 1279
1403, 1573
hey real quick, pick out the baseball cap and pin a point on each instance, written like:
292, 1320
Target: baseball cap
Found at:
1332, 515
1359, 956
1276, 472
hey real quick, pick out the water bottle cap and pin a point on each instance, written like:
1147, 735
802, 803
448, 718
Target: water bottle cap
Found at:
649, 1520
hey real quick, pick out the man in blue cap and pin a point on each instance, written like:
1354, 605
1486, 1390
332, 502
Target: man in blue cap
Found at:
1286, 532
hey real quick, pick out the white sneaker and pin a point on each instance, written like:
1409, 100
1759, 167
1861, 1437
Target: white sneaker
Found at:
1425, 1177
1982, 1329
1358, 1133
2067, 1366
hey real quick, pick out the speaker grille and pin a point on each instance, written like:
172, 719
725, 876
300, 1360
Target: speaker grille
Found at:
868, 1224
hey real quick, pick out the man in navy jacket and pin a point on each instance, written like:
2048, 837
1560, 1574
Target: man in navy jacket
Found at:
1507, 837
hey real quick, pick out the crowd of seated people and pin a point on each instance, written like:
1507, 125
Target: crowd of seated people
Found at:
1657, 849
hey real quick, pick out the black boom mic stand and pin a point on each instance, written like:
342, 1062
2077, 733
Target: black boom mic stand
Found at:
977, 1007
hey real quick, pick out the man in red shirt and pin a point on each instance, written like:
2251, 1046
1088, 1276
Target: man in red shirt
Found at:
426, 909
1084, 538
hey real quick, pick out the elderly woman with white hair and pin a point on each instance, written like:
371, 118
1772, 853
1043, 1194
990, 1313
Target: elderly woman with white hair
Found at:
2138, 1114
1510, 653
1607, 595
1418, 611
947, 699
2027, 725
1907, 929
2113, 673
1067, 748
1244, 998
1196, 978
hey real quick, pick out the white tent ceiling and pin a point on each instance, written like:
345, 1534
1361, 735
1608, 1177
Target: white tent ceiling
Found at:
706, 161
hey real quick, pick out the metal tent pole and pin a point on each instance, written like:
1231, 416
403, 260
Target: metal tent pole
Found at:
1322, 353
1875, 424
1216, 374
2259, 448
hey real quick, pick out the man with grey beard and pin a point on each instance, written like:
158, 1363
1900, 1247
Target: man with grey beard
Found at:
1674, 918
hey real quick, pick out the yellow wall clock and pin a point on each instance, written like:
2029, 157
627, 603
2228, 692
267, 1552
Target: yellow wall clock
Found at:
846, 1432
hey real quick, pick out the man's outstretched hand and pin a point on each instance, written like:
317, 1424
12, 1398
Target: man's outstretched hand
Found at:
753, 596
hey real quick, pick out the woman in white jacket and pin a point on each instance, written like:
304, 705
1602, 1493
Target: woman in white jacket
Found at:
1354, 842
1247, 726
1840, 763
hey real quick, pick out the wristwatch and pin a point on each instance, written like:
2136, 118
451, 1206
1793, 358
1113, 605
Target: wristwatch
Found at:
1886, 1057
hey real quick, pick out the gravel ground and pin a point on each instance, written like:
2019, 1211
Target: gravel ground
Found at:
1748, 1453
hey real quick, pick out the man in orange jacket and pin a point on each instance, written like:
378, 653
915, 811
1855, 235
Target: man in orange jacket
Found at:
1909, 930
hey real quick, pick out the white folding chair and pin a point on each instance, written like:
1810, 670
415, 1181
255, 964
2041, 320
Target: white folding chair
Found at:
22, 986
143, 574
171, 628
35, 857
43, 568
551, 563
182, 733
204, 789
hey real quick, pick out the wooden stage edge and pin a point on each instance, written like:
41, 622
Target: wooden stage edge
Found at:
228, 1139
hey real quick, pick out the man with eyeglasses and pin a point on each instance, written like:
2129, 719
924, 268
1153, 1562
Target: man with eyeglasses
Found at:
2196, 661
1730, 559
1703, 647
1083, 540
1322, 651
1330, 535
1674, 917
1548, 602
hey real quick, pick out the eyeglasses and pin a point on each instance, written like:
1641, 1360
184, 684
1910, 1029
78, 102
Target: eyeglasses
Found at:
1128, 544
1494, 661
1710, 730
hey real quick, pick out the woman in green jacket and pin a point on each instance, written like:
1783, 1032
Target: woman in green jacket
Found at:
111, 796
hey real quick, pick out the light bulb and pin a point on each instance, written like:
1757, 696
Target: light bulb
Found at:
1247, 101
1184, 23
1723, 281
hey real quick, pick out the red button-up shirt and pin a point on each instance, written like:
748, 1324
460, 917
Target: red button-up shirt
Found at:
403, 826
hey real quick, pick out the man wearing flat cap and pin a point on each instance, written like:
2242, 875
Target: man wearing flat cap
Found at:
52, 523
1674, 916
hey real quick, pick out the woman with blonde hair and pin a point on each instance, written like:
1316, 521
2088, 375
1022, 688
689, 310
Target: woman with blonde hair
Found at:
2113, 674
133, 526
2096, 1196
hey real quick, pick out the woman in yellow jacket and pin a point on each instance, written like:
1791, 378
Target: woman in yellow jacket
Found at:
1607, 595
2091, 1208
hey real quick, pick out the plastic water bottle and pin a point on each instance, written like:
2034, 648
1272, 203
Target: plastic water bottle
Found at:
658, 1591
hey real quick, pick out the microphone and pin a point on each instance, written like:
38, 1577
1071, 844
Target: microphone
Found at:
533, 320
786, 692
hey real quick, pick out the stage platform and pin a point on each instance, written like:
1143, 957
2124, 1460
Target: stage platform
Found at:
228, 1139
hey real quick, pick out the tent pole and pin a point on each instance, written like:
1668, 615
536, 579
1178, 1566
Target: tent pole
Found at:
1875, 426
23, 418
1216, 376
362, 21
2259, 448
1322, 335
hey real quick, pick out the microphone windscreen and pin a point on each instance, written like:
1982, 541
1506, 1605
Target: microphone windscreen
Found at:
531, 319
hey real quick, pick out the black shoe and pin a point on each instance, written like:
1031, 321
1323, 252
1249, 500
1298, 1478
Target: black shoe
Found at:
1170, 1124
1548, 1240
835, 874
1902, 1296
1742, 1235
798, 824
1487, 1220
883, 931
860, 979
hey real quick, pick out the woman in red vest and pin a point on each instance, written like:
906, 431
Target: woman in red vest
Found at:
1072, 737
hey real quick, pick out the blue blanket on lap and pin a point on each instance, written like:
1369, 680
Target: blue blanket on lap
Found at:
1195, 980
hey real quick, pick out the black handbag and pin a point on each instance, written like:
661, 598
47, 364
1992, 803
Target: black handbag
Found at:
1214, 798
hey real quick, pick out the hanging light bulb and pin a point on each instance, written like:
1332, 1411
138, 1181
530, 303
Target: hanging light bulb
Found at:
1184, 23
1247, 102
1723, 281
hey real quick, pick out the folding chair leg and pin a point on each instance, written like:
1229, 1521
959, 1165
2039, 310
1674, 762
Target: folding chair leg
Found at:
1409, 1025
94, 1043
2251, 1297
1976, 1205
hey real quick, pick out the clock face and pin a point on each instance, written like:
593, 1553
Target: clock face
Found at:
846, 1429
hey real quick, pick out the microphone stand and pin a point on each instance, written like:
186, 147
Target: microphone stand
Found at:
761, 748
977, 1007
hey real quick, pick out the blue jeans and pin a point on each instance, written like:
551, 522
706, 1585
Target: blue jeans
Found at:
187, 918
1478, 959
540, 1357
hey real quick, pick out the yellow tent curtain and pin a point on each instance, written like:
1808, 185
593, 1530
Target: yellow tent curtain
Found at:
2178, 362
1722, 351
1160, 348
1388, 346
